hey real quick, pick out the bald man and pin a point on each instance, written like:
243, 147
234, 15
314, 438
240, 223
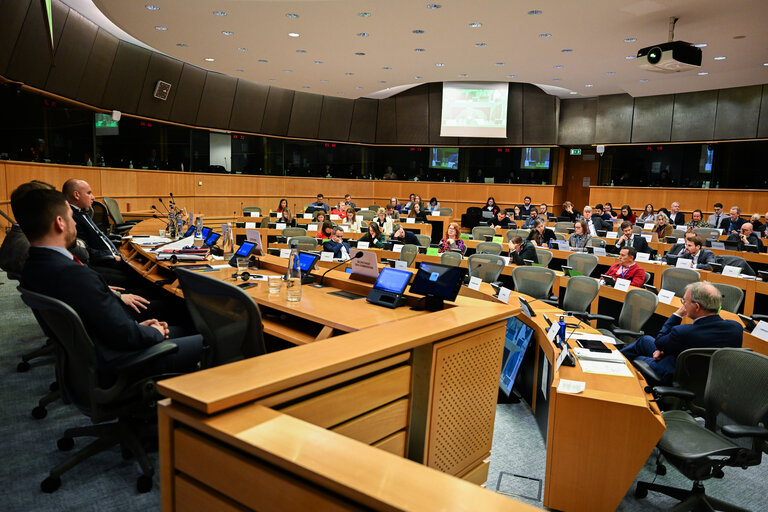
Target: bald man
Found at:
747, 236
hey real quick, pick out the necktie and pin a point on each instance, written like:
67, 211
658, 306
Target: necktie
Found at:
629, 242
101, 234
77, 260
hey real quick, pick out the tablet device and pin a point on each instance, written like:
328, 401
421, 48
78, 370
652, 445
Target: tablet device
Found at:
244, 251
608, 280
206, 232
389, 287
189, 231
212, 238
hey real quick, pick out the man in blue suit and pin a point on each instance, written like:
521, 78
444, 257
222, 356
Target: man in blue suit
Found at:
337, 245
701, 303
694, 251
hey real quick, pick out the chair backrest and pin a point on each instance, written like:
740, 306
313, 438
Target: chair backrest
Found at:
732, 296
250, 209
474, 210
374, 208
533, 281
706, 232
560, 236
409, 252
264, 222
597, 242
637, 230
451, 258
563, 227
736, 261
101, 217
488, 248
692, 371
114, 210
639, 306
487, 267
446, 212
676, 279
478, 232
368, 215
579, 293
679, 233
583, 262
226, 316
518, 232
305, 243
290, 232
544, 256
424, 240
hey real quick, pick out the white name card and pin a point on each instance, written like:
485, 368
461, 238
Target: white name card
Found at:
612, 234
410, 220
312, 227
648, 238
335, 217
254, 214
281, 225
730, 270
599, 251
285, 253
643, 256
363, 245
681, 241
665, 296
474, 283
718, 245
684, 263
401, 265
326, 256
504, 294
506, 260
308, 216
761, 330
562, 245
553, 330
250, 225
398, 248
345, 228
649, 226
436, 213
363, 209
622, 285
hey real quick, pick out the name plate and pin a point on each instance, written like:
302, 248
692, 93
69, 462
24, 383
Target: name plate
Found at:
401, 265
622, 285
562, 245
648, 238
345, 228
474, 283
718, 245
553, 330
684, 263
599, 251
612, 234
498, 239
254, 214
681, 241
363, 209
313, 227
649, 226
730, 270
761, 330
281, 225
326, 256
363, 245
410, 220
398, 248
250, 225
308, 216
665, 296
335, 217
432, 251
504, 294
285, 253
506, 260
436, 213
643, 256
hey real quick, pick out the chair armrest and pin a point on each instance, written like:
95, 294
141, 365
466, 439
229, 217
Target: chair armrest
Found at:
619, 332
552, 301
146, 356
665, 391
596, 316
650, 375
745, 431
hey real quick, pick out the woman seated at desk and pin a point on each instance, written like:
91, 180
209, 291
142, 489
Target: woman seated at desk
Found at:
374, 236
502, 221
340, 210
352, 221
451, 240
662, 227
383, 222
518, 212
491, 206
287, 217
540, 235
627, 215
417, 213
647, 216
326, 231
521, 250
433, 205
568, 213
697, 221
580, 238
282, 205
320, 217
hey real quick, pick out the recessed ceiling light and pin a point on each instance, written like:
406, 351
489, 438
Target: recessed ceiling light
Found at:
702, 73
349, 74
359, 54
305, 87
534, 12
317, 62
209, 59
182, 45
573, 92
242, 49
418, 49
566, 50
161, 28
643, 80
511, 76
588, 85
263, 60
545, 35
362, 34
556, 79
293, 34
499, 63
630, 57
340, 93
739, 37
417, 77
558, 66
475, 24
324, 81
272, 80
463, 75
240, 70
364, 14
417, 31
358, 87
439, 64
152, 7
630, 40
228, 32
291, 15
700, 45
720, 58
287, 71
382, 81
386, 68
219, 13
433, 6
480, 45
610, 73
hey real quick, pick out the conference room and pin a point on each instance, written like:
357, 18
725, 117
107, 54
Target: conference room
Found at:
232, 152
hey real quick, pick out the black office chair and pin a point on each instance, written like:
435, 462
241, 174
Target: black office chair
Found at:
639, 305
119, 396
579, 294
733, 435
225, 315
119, 225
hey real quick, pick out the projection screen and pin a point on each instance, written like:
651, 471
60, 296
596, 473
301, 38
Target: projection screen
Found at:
474, 109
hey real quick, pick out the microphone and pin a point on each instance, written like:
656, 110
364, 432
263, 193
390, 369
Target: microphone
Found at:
241, 209
357, 255
158, 211
162, 203
172, 201
155, 216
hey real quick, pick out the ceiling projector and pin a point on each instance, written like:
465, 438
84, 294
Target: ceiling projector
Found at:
670, 57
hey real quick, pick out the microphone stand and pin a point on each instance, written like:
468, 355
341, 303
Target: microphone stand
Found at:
320, 284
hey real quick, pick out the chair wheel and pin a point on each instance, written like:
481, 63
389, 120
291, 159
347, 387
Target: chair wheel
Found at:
65, 444
144, 484
22, 367
641, 492
718, 473
54, 386
39, 412
50, 484
661, 469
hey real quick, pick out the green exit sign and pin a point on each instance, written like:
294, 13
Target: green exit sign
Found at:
576, 151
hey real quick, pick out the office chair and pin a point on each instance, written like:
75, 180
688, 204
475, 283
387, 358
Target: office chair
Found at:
293, 232
678, 233
472, 217
579, 294
451, 258
734, 435
368, 215
705, 233
247, 210
100, 217
374, 208
129, 400
518, 232
487, 267
583, 262
119, 225
536, 282
560, 236
597, 242
676, 279
544, 256
446, 212
479, 232
732, 296
563, 227
488, 248
424, 240
736, 261
305, 243
637, 230
264, 223
408, 253
639, 306
226, 316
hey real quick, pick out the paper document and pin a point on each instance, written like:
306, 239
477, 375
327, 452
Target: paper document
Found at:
596, 337
619, 370
614, 356
151, 240
179, 244
571, 386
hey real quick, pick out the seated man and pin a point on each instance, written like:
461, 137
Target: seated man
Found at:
715, 218
595, 221
676, 217
521, 250
626, 268
694, 251
15, 247
47, 220
701, 303
405, 237
502, 221
747, 236
526, 208
348, 200
320, 203
731, 225
528, 224
677, 250
628, 239
337, 245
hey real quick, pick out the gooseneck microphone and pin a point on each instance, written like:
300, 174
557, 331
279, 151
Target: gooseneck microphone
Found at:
320, 284
156, 216
162, 203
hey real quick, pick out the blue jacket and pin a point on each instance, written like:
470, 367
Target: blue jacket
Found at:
705, 258
335, 247
707, 332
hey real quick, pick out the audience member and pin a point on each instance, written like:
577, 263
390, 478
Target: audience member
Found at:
392, 213
352, 220
647, 216
756, 224
697, 221
417, 213
405, 237
544, 212
717, 217
626, 268
383, 223
282, 205
503, 221
433, 205
320, 203
15, 247
348, 201
526, 208
529, 221
676, 217
518, 213
337, 245
599, 211
326, 231
763, 226
521, 250
731, 225
580, 238
694, 251
411, 200
541, 234
452, 240
608, 210
594, 221
568, 214
627, 215
395, 204
662, 227
747, 236
701, 303
628, 239
491, 206
678, 249
374, 236
320, 217
286, 217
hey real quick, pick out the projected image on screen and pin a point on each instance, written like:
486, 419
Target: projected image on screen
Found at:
474, 109
444, 158
534, 158
105, 125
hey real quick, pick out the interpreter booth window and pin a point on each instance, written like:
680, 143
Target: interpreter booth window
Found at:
657, 165
139, 144
528, 165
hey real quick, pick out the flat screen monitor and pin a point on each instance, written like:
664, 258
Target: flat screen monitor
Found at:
444, 158
392, 280
534, 158
105, 125
516, 342
441, 281
307, 261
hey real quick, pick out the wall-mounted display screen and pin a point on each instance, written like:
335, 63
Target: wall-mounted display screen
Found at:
534, 158
474, 109
105, 125
444, 158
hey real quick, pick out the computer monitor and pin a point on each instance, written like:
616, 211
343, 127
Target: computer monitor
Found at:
517, 339
437, 283
389, 287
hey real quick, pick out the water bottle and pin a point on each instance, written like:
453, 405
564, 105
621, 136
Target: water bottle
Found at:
561, 332
172, 223
199, 231
293, 275
179, 226
228, 240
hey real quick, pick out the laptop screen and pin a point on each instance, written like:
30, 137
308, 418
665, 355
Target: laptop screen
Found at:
245, 249
392, 280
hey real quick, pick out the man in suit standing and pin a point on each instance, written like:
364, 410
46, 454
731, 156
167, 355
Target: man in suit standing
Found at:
676, 218
693, 251
701, 303
628, 239
731, 225
717, 217
47, 221
594, 222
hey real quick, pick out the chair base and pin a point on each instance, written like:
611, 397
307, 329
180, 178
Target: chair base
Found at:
46, 350
695, 499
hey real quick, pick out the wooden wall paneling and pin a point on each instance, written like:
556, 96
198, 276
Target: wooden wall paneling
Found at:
31, 60
613, 123
386, 122
167, 69
363, 126
126, 78
412, 116
514, 115
56, 175
753, 201
305, 115
750, 201
72, 54
278, 112
216, 101
652, 121
435, 109
187, 99
117, 184
694, 116
762, 127
274, 189
248, 108
94, 79
13, 14
738, 111
539, 112
577, 121
5, 192
335, 118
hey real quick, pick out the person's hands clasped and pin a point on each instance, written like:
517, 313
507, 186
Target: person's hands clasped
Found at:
160, 326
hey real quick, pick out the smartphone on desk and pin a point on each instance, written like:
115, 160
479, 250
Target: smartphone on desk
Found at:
593, 346
246, 285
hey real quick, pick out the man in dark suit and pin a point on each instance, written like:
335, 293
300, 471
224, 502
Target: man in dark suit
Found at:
747, 236
731, 225
676, 218
628, 239
526, 208
694, 251
405, 237
701, 303
521, 250
677, 250
47, 221
337, 245
595, 222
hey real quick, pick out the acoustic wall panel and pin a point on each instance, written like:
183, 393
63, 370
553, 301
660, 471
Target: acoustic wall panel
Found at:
277, 115
412, 109
435, 115
216, 101
613, 123
762, 127
167, 69
694, 116
539, 111
514, 115
363, 127
126, 78
577, 121
386, 122
96, 72
305, 115
335, 118
72, 54
188, 93
652, 121
248, 109
13, 14
738, 110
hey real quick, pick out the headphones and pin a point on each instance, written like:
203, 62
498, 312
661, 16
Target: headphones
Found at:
245, 276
